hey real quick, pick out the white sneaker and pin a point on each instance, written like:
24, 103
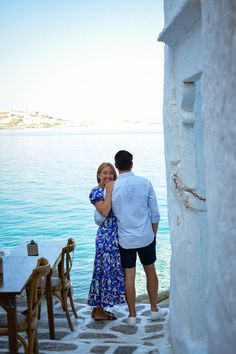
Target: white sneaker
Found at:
156, 315
131, 321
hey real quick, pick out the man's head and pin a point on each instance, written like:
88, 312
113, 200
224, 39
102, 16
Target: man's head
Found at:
123, 160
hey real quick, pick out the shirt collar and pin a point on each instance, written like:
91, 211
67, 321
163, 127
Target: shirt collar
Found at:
125, 174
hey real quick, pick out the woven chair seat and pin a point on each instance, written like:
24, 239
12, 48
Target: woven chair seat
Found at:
56, 283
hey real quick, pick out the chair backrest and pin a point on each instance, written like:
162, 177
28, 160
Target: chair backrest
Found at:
37, 280
66, 262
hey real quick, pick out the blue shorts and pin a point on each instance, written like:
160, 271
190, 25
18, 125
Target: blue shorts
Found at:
147, 255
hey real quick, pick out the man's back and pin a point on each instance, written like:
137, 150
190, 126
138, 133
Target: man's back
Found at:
135, 206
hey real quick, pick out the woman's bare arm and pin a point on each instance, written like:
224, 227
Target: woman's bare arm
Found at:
104, 206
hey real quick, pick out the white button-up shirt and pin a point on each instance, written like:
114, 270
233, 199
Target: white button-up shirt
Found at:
135, 206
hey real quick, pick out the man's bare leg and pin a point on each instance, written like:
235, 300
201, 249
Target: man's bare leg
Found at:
130, 290
152, 285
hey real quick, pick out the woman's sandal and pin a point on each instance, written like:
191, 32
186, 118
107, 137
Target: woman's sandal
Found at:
110, 316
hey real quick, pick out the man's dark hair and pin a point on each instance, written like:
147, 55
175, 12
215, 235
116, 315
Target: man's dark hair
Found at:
123, 160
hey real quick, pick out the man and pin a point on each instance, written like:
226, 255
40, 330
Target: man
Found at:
135, 207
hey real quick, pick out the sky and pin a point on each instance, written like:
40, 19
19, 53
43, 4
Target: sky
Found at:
83, 60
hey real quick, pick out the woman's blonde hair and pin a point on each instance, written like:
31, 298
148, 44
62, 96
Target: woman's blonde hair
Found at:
102, 166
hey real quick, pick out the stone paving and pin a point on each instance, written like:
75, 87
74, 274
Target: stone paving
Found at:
110, 337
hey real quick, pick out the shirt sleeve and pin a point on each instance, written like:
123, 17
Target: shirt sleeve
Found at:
96, 195
153, 205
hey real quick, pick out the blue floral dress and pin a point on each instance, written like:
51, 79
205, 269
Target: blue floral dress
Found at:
107, 286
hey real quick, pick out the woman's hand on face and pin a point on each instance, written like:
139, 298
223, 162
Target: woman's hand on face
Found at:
109, 186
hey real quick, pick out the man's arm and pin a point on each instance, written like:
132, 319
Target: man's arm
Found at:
155, 228
153, 207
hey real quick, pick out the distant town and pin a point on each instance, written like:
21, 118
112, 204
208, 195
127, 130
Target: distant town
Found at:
24, 119
16, 119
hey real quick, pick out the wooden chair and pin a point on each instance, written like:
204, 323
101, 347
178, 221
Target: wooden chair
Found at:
61, 284
28, 320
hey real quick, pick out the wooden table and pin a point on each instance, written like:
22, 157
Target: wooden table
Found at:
17, 268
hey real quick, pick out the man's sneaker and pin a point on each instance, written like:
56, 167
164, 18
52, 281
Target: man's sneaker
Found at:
131, 321
156, 315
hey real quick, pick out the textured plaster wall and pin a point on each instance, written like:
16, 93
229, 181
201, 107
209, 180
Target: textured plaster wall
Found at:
188, 225
219, 110
171, 8
200, 149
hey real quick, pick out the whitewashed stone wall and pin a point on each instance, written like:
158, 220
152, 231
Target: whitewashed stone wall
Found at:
200, 150
219, 111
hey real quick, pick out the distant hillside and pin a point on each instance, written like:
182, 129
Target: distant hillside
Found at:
23, 119
12, 119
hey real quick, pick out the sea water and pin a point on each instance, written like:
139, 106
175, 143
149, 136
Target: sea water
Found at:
45, 179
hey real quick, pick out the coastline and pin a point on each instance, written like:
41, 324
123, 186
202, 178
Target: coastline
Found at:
118, 128
11, 119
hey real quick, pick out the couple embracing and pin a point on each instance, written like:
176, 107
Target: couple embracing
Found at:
127, 215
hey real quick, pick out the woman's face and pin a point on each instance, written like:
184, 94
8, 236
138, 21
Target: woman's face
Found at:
105, 176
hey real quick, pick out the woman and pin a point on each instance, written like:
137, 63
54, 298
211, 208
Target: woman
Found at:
107, 286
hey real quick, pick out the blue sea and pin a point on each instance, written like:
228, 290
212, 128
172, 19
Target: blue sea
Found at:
45, 179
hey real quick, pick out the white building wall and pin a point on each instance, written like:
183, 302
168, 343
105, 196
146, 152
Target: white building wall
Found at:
172, 8
219, 111
200, 150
